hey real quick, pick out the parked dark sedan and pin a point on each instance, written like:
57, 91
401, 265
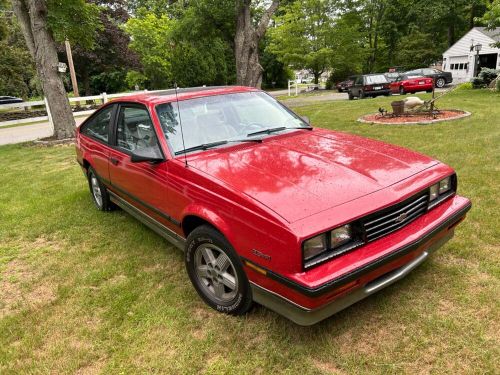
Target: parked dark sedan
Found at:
344, 85
369, 85
440, 78
9, 100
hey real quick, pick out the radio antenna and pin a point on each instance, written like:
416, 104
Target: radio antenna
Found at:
180, 124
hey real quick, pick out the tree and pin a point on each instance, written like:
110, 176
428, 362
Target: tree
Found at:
246, 42
303, 36
492, 17
104, 67
16, 74
39, 26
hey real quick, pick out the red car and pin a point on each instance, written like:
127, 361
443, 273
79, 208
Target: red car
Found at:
303, 220
406, 84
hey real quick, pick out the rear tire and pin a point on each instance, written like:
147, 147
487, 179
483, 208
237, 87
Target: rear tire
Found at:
216, 272
402, 90
99, 193
349, 94
362, 94
428, 91
440, 82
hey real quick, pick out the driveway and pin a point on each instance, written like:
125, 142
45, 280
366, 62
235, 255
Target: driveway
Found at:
26, 133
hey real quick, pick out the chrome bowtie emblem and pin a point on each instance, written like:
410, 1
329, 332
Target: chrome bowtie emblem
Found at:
401, 217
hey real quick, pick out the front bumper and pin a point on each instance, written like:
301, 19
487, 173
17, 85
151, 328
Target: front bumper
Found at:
397, 265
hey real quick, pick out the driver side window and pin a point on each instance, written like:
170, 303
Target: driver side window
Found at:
135, 131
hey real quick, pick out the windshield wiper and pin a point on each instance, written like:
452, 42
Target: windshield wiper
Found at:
273, 130
206, 146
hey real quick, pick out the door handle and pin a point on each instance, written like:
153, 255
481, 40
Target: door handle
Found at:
114, 161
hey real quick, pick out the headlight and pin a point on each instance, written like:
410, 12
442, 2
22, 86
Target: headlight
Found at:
315, 246
440, 191
434, 192
340, 236
328, 245
444, 185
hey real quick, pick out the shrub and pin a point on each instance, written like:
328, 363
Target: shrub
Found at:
477, 83
498, 85
487, 75
465, 86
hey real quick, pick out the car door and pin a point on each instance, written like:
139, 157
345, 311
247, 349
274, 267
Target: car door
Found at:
142, 184
97, 134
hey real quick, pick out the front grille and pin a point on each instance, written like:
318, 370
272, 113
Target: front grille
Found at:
395, 217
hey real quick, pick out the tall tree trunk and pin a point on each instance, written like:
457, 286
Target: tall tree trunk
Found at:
246, 43
32, 16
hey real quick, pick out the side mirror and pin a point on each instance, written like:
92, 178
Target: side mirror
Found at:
306, 119
150, 155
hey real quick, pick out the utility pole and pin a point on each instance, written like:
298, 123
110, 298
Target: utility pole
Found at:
74, 83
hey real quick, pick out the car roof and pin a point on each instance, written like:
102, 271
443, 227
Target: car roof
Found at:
169, 95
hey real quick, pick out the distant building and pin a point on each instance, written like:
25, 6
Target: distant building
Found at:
472, 52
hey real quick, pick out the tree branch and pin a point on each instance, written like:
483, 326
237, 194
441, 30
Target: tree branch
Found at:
264, 22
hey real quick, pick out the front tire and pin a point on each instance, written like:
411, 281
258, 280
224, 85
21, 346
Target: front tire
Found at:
351, 97
362, 94
402, 91
216, 272
99, 193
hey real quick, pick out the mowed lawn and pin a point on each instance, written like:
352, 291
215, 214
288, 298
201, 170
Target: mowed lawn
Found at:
88, 292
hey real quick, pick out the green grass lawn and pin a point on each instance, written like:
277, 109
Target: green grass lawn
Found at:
88, 292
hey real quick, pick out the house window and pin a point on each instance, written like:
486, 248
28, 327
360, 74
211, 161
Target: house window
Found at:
461, 67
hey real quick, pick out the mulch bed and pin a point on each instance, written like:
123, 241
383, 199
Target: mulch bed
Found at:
443, 115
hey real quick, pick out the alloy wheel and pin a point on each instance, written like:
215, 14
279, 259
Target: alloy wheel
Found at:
215, 273
96, 190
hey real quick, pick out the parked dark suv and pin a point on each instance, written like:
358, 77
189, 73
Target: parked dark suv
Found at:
440, 78
369, 85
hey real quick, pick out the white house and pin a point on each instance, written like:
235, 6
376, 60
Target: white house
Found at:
471, 53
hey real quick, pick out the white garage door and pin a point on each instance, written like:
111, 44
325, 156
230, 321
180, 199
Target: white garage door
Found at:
459, 67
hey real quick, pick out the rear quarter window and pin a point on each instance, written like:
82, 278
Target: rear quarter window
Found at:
98, 126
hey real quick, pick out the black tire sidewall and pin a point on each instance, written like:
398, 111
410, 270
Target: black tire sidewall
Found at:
206, 234
107, 205
440, 80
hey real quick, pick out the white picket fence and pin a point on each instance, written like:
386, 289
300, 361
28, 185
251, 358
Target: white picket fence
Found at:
43, 104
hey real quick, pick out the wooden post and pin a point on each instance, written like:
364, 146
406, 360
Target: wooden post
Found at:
49, 115
72, 73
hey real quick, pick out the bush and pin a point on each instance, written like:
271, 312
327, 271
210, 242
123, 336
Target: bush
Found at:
487, 75
465, 86
477, 83
498, 85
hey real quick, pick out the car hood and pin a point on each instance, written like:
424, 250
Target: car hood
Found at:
304, 172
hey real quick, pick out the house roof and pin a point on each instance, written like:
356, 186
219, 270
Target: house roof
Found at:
493, 34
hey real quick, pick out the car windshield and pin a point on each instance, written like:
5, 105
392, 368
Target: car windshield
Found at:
372, 80
210, 120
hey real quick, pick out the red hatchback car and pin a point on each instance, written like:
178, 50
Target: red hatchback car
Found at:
406, 84
303, 220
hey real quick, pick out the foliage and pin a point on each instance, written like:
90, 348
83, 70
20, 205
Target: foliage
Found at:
135, 79
492, 16
16, 67
304, 35
110, 55
477, 83
465, 86
152, 41
75, 20
417, 51
192, 49
497, 85
487, 75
